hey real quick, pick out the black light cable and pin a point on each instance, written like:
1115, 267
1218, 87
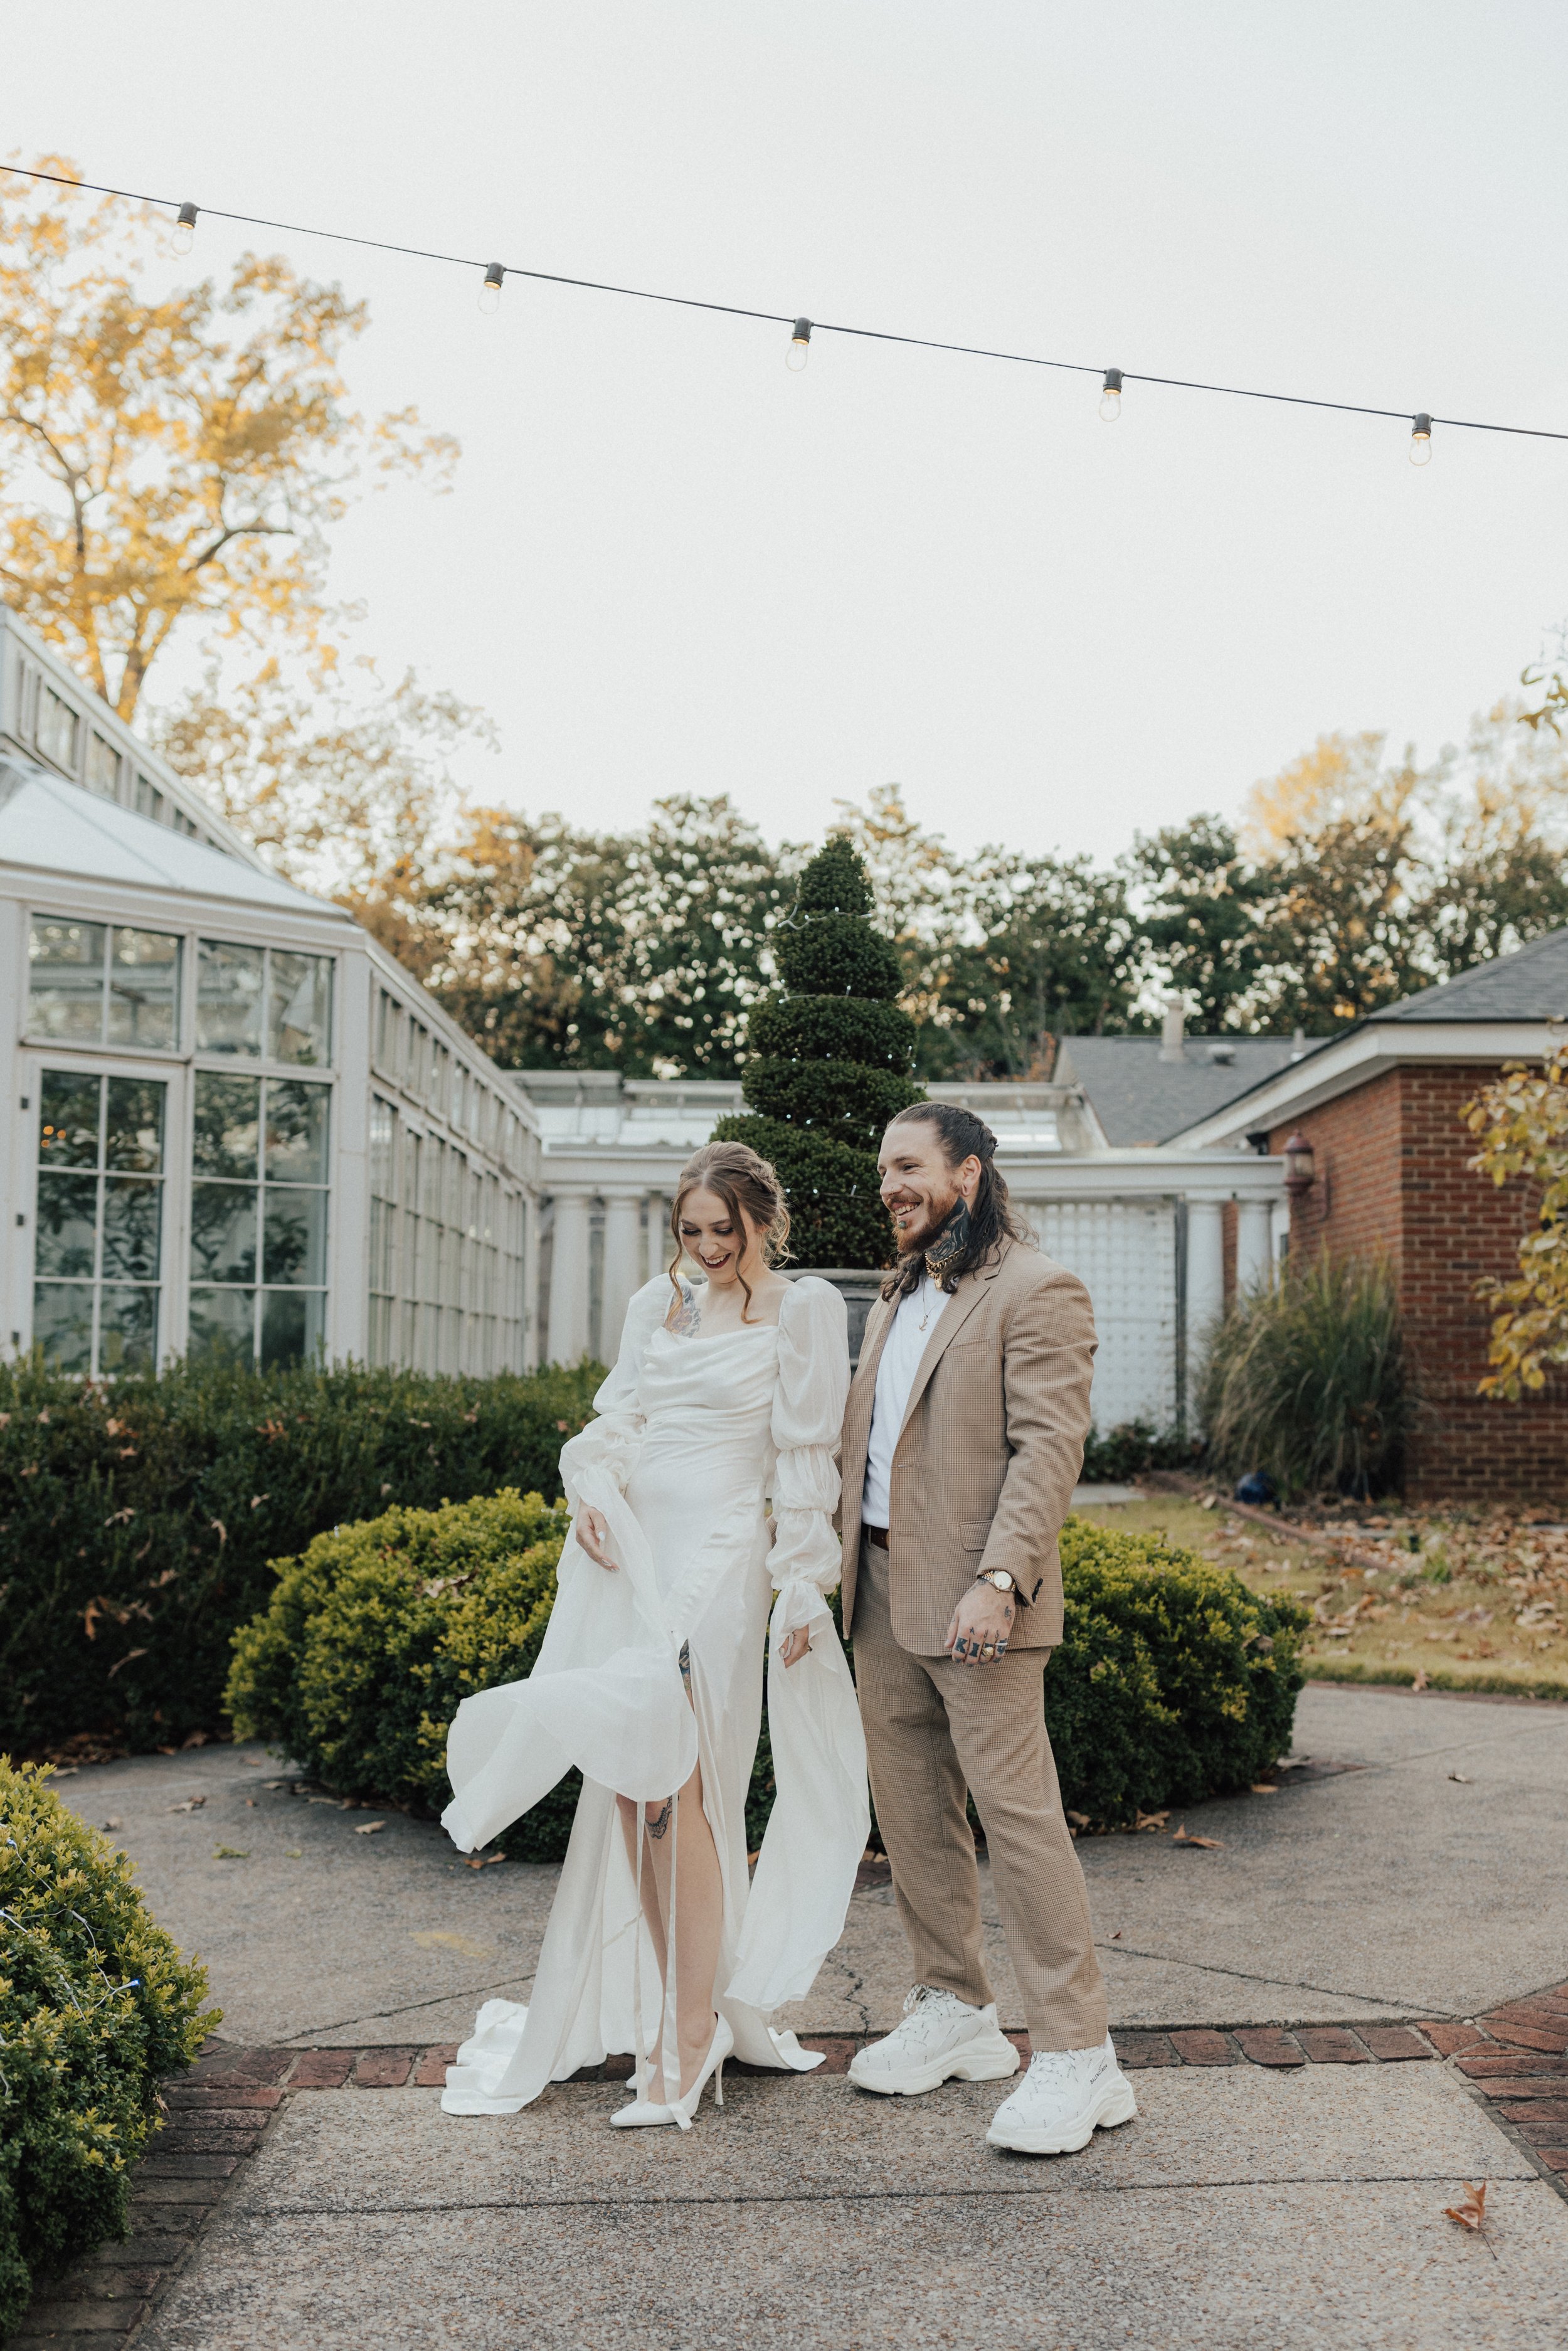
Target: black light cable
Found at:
1113, 380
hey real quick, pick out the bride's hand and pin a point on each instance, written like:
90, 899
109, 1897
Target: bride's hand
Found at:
592, 1535
794, 1646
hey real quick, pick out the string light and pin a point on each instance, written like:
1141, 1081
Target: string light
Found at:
184, 236
1111, 395
490, 290
800, 345
1421, 440
1112, 379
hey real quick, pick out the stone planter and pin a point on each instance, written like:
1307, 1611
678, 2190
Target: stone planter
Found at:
859, 1286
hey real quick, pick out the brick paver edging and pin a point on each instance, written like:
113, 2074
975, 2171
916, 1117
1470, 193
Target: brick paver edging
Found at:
1514, 2060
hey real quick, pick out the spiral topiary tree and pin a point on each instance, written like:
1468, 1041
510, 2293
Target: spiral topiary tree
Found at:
833, 1055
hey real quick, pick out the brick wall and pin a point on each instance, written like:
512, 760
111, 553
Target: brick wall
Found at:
1390, 1160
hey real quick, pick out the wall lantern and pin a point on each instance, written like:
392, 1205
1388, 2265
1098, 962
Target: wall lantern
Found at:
1301, 1170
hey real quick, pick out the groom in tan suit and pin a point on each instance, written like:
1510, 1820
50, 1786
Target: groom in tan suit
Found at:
963, 1440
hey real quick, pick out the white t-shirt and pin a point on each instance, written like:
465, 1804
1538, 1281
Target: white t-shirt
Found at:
917, 1318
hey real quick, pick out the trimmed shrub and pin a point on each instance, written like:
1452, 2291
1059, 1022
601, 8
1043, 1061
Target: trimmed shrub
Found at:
1173, 1681
1306, 1378
832, 1065
1132, 1447
137, 1520
376, 1635
97, 2007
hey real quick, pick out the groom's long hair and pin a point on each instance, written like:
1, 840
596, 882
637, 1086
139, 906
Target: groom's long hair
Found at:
992, 1218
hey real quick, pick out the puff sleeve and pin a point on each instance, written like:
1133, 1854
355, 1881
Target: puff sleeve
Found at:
612, 1442
808, 1418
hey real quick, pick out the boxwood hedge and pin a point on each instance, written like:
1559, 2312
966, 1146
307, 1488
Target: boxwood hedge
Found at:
137, 1520
97, 2007
1174, 1681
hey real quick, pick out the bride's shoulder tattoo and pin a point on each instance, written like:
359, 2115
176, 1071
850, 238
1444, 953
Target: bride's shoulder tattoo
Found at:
686, 1320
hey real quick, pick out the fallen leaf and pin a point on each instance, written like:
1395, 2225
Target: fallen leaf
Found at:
192, 1803
436, 1941
369, 1828
1420, 1681
1079, 1820
1209, 1843
291, 1853
1460, 1777
1117, 1935
483, 1860
1264, 1788
229, 1853
250, 1803
1152, 1820
114, 1825
1472, 2212
123, 1661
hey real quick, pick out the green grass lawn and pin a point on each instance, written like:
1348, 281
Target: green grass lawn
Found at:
1473, 1600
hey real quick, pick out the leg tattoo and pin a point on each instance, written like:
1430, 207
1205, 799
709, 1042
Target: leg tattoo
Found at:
659, 1823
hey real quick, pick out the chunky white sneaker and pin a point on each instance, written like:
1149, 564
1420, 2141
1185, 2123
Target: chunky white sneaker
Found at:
1064, 2098
941, 2036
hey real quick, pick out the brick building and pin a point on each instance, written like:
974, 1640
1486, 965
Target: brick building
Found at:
1381, 1105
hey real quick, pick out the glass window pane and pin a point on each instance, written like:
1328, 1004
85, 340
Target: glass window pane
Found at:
68, 1120
292, 1323
68, 1225
128, 1331
228, 998
102, 765
144, 989
132, 1218
65, 979
223, 1232
227, 1136
295, 1133
134, 1129
62, 1324
295, 1236
300, 1015
223, 1323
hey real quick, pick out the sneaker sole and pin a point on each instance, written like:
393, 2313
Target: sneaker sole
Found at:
1117, 2106
987, 2061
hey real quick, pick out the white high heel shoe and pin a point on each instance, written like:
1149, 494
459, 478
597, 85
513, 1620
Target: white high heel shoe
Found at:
643, 2113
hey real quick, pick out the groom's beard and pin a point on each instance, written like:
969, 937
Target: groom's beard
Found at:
915, 1240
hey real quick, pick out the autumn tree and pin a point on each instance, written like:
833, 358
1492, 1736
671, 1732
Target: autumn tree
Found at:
171, 460
1520, 1121
641, 951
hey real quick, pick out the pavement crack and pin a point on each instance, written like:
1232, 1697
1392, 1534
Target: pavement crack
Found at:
312, 2032
926, 2195
1240, 1975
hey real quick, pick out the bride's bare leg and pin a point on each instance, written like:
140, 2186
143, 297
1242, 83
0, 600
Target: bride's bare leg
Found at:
699, 1915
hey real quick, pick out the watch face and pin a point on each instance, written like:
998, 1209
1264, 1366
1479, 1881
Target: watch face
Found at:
1000, 1578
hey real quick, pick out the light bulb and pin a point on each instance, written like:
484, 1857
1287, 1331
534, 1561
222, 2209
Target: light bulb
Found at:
490, 290
185, 229
800, 345
1421, 441
1111, 397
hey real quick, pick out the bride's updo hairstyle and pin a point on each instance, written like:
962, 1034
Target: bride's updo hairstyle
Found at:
742, 1181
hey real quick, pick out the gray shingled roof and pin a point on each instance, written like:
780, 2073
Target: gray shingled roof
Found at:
1529, 985
1139, 1099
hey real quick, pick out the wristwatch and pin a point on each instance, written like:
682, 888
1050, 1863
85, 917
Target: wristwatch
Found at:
997, 1578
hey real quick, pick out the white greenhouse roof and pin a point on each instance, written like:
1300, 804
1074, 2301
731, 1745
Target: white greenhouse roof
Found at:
49, 826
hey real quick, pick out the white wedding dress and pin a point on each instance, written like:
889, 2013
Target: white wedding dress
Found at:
693, 1434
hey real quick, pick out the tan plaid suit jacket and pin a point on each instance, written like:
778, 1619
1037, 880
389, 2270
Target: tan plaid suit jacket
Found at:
991, 1449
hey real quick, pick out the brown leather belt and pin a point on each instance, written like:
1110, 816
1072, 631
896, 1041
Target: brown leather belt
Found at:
877, 1535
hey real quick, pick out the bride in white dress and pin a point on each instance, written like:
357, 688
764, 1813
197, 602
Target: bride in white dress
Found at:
649, 1681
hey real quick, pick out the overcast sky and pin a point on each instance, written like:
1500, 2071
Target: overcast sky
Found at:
670, 564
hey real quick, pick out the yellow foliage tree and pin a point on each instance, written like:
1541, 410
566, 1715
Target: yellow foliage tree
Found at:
1521, 1119
176, 458
1340, 781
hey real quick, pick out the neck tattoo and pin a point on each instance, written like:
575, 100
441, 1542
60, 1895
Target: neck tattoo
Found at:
948, 1246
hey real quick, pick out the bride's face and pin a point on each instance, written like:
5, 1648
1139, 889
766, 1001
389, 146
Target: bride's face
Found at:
708, 1235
